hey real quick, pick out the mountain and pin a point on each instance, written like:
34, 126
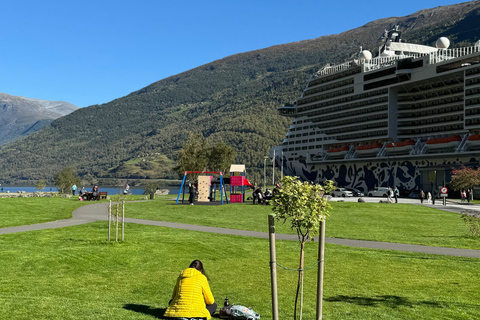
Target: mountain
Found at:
23, 116
233, 99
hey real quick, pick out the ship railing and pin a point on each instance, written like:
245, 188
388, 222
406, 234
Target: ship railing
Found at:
329, 69
448, 54
381, 62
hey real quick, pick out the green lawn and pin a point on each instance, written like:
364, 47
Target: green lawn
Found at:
23, 211
73, 273
401, 223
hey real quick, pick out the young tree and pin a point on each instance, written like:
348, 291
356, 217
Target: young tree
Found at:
221, 156
66, 178
305, 206
150, 188
465, 178
40, 185
194, 155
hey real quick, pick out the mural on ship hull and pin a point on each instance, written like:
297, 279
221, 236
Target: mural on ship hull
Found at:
405, 174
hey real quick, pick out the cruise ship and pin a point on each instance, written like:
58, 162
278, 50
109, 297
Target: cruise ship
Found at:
405, 118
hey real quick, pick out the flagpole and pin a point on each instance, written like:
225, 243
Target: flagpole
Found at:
273, 168
282, 167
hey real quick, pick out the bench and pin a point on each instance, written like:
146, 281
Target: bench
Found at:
102, 194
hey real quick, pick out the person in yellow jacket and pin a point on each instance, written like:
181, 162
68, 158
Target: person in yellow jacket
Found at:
192, 297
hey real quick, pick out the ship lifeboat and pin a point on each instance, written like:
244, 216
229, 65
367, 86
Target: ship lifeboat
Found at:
473, 141
449, 143
368, 149
400, 147
337, 152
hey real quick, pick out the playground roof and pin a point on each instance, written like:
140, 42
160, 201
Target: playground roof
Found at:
237, 168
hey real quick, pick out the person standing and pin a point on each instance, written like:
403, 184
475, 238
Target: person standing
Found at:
468, 196
192, 192
74, 188
422, 196
396, 193
429, 198
389, 195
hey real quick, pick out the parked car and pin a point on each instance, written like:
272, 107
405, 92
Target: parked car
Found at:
341, 192
415, 194
356, 192
378, 192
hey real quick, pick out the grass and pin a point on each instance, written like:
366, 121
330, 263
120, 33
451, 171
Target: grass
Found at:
73, 273
401, 223
23, 211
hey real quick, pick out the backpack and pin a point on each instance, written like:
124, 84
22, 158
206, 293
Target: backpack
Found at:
236, 311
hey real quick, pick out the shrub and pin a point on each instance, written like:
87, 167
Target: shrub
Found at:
473, 223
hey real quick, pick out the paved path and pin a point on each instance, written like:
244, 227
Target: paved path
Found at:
98, 211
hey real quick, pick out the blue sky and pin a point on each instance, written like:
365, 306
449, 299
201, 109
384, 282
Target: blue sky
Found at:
91, 52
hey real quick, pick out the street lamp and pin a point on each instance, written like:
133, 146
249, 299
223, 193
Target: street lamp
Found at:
265, 173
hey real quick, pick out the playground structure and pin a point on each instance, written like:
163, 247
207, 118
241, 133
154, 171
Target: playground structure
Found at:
207, 186
239, 181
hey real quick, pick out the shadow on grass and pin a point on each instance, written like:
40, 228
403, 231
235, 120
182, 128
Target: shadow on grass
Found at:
395, 302
388, 301
156, 312
141, 308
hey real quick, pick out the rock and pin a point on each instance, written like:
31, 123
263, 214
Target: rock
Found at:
162, 192
361, 200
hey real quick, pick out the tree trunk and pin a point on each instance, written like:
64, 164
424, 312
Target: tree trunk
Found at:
300, 276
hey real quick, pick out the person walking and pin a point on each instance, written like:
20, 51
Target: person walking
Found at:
74, 188
389, 195
422, 196
429, 198
396, 194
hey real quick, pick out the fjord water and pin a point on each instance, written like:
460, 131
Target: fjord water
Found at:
110, 190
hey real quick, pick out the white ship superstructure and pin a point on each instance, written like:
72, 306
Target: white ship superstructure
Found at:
388, 120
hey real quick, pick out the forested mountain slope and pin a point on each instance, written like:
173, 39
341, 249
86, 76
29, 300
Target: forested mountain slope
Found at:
233, 99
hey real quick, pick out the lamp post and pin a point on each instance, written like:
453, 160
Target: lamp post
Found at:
264, 172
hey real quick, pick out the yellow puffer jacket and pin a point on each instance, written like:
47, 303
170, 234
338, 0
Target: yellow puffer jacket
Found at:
190, 296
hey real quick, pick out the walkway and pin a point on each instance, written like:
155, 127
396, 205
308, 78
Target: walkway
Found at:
99, 211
